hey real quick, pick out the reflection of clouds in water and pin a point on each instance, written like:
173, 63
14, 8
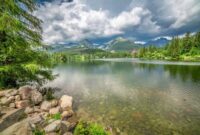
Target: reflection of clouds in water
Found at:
119, 90
93, 86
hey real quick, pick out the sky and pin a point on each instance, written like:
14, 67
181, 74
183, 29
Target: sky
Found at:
101, 20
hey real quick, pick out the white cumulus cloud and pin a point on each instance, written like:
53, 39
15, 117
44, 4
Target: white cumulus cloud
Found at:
75, 21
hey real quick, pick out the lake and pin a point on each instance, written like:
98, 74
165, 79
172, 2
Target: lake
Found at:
135, 97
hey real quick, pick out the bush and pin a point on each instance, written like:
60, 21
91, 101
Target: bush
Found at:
38, 132
56, 116
48, 92
85, 128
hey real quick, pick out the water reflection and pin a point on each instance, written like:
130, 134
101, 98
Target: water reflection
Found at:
135, 98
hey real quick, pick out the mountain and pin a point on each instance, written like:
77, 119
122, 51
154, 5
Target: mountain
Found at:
117, 44
86, 43
160, 42
71, 46
122, 44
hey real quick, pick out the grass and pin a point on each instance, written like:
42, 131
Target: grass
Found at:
38, 132
87, 128
56, 116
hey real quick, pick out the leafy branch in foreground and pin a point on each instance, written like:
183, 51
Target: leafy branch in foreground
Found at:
20, 40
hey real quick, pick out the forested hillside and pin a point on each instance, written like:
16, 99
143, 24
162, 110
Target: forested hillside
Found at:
186, 48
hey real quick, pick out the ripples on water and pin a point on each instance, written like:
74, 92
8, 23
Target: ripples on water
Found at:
135, 97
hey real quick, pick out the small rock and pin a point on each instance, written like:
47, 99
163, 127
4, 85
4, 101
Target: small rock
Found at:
54, 110
37, 109
44, 114
53, 127
22, 104
36, 97
12, 105
11, 98
53, 133
54, 103
72, 126
17, 98
66, 102
2, 94
65, 127
29, 110
46, 105
25, 92
36, 119
68, 133
5, 101
118, 130
67, 114
5, 93
51, 120
14, 92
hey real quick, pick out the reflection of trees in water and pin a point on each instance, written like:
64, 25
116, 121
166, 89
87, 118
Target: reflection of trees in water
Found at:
149, 67
185, 72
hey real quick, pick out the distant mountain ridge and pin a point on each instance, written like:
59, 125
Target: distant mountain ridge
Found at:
160, 42
117, 44
122, 44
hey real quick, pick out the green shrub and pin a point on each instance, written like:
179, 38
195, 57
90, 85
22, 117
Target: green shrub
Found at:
85, 128
56, 116
38, 132
49, 95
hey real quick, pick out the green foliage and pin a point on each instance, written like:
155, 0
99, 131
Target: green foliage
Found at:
87, 55
187, 48
56, 116
49, 95
20, 41
85, 128
38, 132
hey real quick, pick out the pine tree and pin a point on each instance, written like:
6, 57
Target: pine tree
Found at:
187, 44
197, 40
20, 38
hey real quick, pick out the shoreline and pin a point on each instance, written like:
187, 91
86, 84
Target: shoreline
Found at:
151, 61
26, 111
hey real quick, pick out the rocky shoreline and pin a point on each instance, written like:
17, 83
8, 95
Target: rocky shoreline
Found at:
25, 111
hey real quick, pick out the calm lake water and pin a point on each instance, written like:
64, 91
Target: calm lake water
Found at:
135, 97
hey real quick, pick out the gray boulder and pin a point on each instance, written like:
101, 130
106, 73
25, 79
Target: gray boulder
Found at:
54, 110
67, 114
68, 133
46, 105
36, 97
17, 98
12, 105
53, 127
25, 92
5, 101
22, 104
66, 102
29, 110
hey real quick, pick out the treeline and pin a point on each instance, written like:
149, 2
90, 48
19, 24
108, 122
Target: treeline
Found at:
87, 55
186, 48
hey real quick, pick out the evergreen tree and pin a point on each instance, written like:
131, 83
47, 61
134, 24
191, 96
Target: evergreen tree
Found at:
20, 39
197, 40
187, 44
